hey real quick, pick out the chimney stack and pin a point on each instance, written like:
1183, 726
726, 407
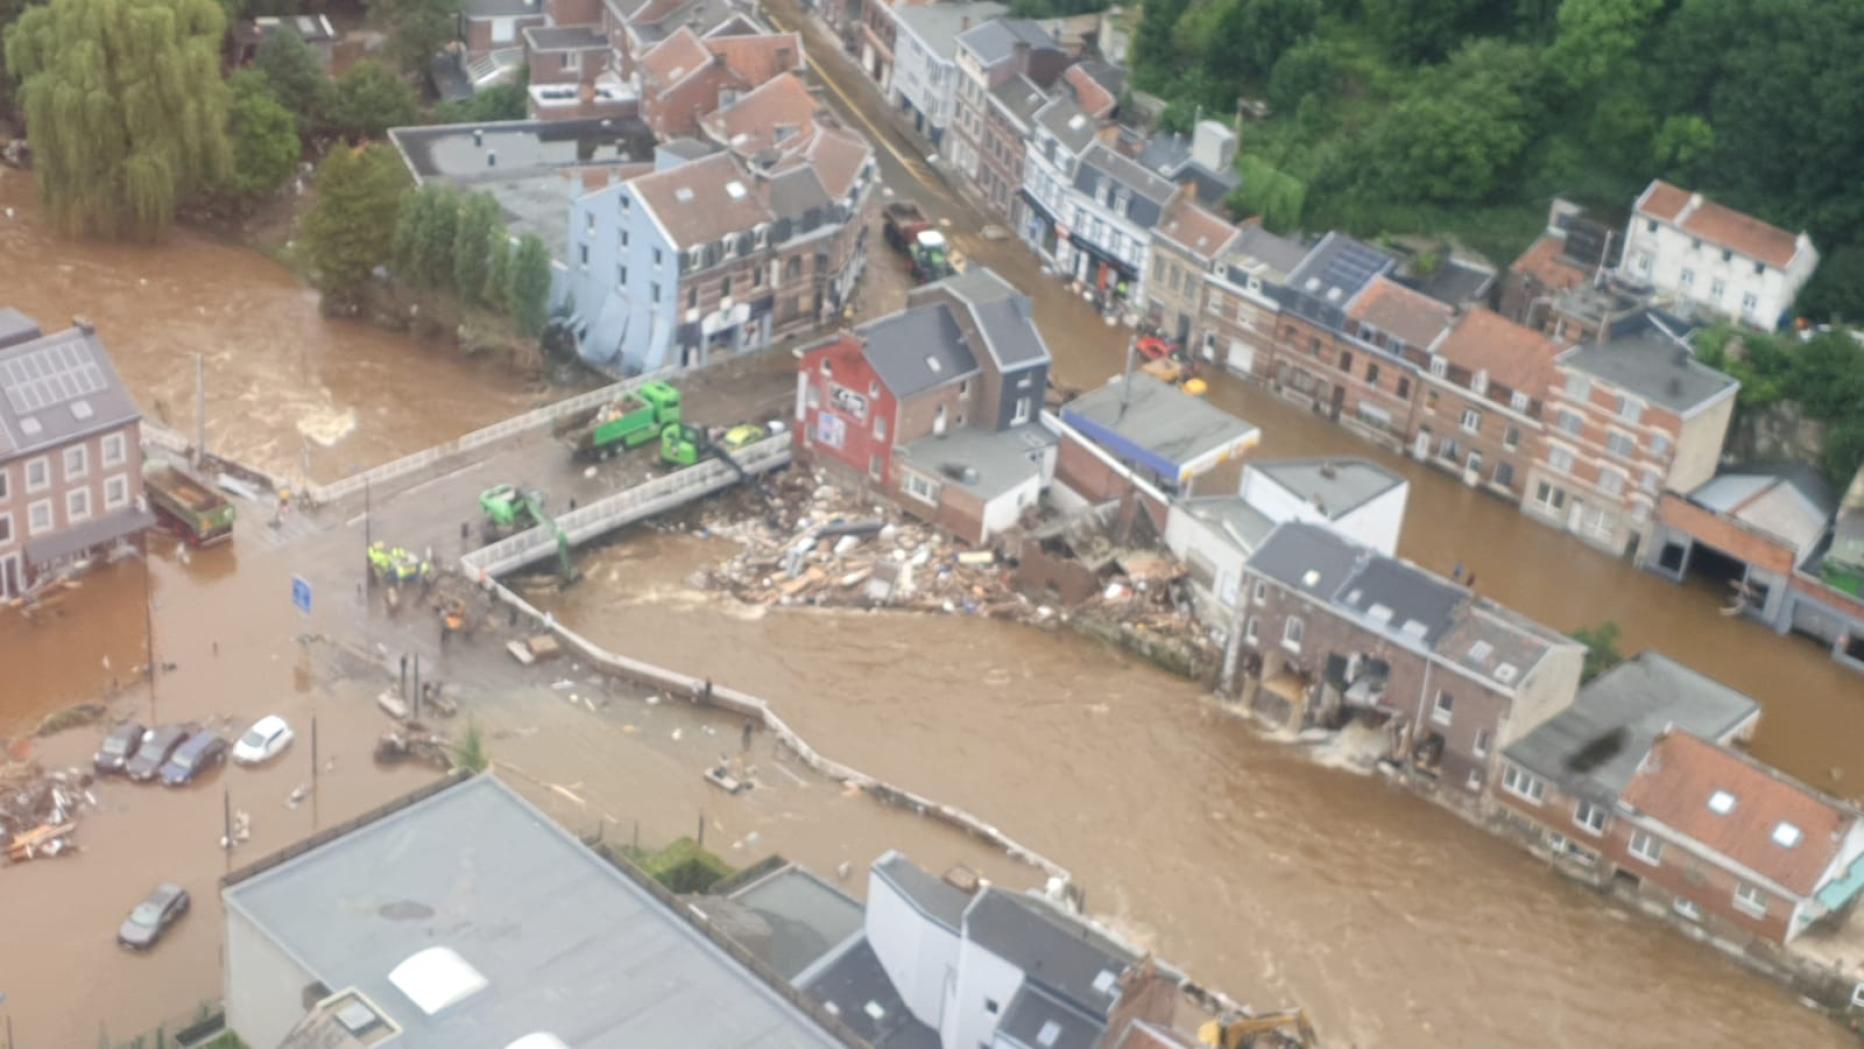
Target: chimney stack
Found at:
478, 136
491, 158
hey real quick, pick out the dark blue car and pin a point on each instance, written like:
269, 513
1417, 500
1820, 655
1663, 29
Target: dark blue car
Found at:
195, 756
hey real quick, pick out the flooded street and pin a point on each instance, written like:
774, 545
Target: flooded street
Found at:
1394, 923
284, 384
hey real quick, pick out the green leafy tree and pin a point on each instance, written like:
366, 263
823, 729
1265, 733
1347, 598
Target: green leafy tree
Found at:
1596, 37
264, 134
369, 99
470, 752
424, 236
1154, 51
1419, 30
417, 29
295, 75
497, 291
350, 230
1683, 146
125, 109
1602, 652
1458, 132
529, 295
1837, 287
1306, 70
481, 229
510, 101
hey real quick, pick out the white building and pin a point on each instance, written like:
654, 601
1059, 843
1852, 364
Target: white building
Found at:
925, 67
1715, 258
1214, 535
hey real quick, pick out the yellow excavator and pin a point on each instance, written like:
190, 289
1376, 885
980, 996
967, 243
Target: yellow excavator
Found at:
1243, 1033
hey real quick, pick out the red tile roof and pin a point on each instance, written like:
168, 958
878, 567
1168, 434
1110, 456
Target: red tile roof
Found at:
751, 124
1400, 312
1722, 226
1198, 230
1543, 262
1094, 100
838, 155
1513, 356
1682, 773
695, 202
757, 58
674, 58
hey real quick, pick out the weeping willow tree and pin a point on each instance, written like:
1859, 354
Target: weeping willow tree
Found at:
125, 109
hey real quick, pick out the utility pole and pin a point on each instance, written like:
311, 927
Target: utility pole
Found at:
200, 409
314, 819
368, 539
148, 622
227, 821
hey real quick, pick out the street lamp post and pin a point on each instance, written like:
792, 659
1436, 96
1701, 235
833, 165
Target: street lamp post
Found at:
148, 623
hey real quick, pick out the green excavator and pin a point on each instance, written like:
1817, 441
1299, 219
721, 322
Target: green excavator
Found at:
510, 510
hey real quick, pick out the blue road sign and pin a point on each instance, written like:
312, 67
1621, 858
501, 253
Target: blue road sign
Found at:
301, 594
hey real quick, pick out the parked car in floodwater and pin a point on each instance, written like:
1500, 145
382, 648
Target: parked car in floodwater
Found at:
195, 755
265, 740
152, 917
118, 747
158, 744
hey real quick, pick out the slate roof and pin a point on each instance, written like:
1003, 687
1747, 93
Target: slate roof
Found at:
1654, 367
804, 919
917, 349
1335, 487
1334, 271
1258, 253
1792, 503
1717, 224
565, 38
1039, 1020
1453, 283
1169, 155
1592, 748
1402, 600
1243, 525
1308, 558
1068, 122
1064, 955
1149, 192
937, 25
751, 123
854, 987
1002, 313
563, 940
939, 901
1020, 98
1683, 773
1499, 645
995, 41
56, 388
1514, 356
1196, 229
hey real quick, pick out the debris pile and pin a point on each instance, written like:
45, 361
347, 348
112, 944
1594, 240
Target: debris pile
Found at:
39, 809
813, 543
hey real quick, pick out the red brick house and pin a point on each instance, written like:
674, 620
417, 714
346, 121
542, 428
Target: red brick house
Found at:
937, 405
1484, 389
686, 77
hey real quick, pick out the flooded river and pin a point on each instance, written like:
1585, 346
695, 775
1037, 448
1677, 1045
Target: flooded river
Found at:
1267, 875
285, 386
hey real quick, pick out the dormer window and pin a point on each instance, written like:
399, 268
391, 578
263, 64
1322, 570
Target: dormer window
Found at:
1721, 803
1786, 835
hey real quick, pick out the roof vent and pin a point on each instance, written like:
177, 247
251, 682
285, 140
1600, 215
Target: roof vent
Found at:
491, 158
1311, 577
1480, 651
734, 189
1721, 803
436, 978
1077, 121
875, 1010
30, 426
1104, 981
81, 409
1380, 613
1415, 629
357, 1018
1506, 673
1786, 835
684, 194
932, 364
1049, 1034
1675, 386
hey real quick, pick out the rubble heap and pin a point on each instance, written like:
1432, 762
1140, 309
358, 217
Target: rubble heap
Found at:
39, 809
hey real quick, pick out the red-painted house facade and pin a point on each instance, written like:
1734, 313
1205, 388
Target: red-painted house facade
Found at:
847, 415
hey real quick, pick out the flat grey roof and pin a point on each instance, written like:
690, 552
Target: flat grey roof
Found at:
1335, 487
1653, 366
1020, 97
565, 38
1297, 548
854, 987
1065, 955
917, 349
1592, 748
56, 388
565, 941
1159, 420
805, 918
1244, 525
937, 25
939, 901
1453, 283
1002, 459
1003, 313
1040, 1020
996, 40
1067, 122
449, 151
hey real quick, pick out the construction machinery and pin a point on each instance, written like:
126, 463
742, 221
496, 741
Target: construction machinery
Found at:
455, 618
202, 516
1287, 1028
629, 421
509, 510
685, 445
911, 233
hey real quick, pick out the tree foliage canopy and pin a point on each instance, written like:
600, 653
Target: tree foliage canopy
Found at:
126, 112
264, 134
417, 29
351, 229
295, 75
480, 233
369, 99
529, 294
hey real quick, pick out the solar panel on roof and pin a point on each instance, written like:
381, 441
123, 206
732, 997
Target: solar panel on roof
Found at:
49, 376
1585, 242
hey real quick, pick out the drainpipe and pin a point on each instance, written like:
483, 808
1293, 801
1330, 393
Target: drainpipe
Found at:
1233, 649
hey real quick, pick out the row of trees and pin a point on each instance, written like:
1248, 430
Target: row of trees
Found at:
1467, 115
368, 218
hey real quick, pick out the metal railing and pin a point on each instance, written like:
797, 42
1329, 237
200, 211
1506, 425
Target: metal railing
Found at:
626, 507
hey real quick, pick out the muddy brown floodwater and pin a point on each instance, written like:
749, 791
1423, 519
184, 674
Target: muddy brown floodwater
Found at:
1274, 878
284, 384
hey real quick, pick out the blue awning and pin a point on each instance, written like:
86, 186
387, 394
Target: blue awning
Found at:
1842, 891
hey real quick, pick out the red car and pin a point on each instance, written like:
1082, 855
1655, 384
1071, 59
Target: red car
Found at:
1153, 348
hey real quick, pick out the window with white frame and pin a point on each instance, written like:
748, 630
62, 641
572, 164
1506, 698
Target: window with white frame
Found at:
77, 505
1611, 482
1751, 899
38, 474
1444, 708
1472, 420
116, 492
1560, 459
1523, 785
1659, 445
1572, 422
1262, 591
1481, 748
1590, 816
77, 462
5, 484
1630, 409
1512, 438
1518, 401
1292, 633
1749, 304
1621, 445
1689, 278
1252, 631
1578, 387
1687, 908
919, 487
1021, 414
1646, 847
1717, 289
6, 528
114, 447
39, 517
1439, 366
